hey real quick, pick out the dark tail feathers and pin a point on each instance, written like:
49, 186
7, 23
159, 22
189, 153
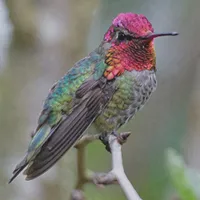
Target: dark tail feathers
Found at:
18, 169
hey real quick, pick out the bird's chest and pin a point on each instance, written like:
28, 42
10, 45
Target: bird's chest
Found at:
133, 91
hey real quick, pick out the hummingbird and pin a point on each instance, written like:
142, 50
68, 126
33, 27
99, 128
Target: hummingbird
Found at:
104, 90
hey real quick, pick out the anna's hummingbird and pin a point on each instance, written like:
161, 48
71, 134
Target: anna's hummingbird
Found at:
105, 89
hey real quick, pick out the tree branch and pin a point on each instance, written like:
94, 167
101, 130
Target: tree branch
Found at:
118, 169
116, 175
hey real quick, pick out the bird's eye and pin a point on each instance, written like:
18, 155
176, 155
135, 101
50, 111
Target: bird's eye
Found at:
122, 37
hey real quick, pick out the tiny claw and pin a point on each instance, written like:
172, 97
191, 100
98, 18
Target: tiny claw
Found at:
104, 140
107, 147
121, 138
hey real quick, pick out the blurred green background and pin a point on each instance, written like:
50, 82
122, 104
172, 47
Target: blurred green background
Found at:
40, 40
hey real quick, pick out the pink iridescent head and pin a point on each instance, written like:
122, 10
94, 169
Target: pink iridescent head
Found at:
131, 44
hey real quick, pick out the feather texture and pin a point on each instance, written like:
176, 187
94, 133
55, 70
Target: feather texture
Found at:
70, 107
70, 130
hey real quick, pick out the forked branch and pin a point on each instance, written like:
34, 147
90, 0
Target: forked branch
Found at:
116, 175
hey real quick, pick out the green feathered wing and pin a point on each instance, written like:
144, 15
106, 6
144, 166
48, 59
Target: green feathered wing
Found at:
71, 106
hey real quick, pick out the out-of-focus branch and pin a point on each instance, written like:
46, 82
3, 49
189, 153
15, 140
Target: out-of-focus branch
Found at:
116, 175
82, 175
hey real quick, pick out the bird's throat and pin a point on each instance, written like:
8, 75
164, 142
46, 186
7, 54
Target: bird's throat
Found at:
133, 57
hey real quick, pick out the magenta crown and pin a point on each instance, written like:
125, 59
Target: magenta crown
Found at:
134, 23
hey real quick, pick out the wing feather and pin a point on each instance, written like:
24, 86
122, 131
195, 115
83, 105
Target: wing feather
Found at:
69, 131
71, 106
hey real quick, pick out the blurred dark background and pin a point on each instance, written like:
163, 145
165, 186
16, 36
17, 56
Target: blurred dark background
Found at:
40, 40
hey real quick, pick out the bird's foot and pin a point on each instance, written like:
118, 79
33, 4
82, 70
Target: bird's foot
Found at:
121, 138
104, 140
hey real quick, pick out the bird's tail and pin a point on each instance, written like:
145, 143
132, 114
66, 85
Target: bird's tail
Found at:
19, 168
39, 138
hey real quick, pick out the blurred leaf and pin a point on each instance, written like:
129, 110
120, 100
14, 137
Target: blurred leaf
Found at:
185, 180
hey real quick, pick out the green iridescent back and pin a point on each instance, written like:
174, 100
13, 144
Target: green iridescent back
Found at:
61, 97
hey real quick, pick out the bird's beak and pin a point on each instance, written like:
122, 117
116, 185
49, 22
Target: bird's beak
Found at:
155, 35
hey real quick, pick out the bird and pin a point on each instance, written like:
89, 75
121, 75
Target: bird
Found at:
103, 90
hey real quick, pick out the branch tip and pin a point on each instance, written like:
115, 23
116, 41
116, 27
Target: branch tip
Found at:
122, 137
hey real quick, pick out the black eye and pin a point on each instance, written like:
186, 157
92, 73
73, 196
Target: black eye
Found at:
122, 37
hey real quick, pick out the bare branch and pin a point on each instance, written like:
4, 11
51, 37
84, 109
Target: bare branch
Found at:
116, 175
118, 169
85, 140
